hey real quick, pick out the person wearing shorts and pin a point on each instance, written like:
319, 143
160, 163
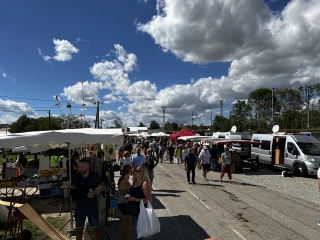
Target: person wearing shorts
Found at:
204, 157
85, 187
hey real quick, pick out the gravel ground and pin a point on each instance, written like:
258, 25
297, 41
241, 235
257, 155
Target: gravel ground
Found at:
304, 188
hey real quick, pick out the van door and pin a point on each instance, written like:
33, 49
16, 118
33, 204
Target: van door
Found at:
292, 154
278, 149
265, 152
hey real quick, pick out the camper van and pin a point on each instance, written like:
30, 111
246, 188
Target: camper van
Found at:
297, 152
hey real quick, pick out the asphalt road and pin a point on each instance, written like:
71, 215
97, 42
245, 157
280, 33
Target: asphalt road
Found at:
211, 209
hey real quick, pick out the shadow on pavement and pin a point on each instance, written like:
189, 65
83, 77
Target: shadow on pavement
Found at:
168, 191
180, 227
165, 195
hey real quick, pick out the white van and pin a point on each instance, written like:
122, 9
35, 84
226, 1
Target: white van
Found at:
299, 153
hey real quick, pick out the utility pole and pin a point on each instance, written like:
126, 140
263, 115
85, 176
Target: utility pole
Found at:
272, 102
97, 114
192, 121
308, 110
164, 118
211, 122
221, 107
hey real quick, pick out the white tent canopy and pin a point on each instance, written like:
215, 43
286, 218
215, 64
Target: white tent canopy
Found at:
42, 140
159, 134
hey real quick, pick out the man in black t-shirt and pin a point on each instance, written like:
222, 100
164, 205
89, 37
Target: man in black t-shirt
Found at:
86, 185
100, 154
214, 158
23, 164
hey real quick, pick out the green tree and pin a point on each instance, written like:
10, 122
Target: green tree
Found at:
221, 124
154, 125
289, 108
27, 124
260, 101
141, 124
240, 115
118, 123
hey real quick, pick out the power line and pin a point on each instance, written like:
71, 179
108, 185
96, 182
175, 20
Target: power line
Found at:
33, 99
64, 107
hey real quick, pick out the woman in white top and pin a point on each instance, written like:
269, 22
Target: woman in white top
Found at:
125, 160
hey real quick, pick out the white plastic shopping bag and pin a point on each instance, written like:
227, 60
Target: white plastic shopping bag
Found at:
148, 222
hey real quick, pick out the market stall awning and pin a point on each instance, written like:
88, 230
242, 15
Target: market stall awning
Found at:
183, 132
43, 140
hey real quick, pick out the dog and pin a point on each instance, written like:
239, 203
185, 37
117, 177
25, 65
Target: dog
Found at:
286, 174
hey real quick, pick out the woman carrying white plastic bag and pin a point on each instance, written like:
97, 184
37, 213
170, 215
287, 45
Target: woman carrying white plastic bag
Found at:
140, 191
148, 222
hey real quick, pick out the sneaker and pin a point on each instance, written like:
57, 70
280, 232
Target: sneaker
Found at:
194, 183
206, 179
189, 182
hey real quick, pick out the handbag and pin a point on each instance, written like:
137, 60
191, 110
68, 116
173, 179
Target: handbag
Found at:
133, 209
148, 222
116, 167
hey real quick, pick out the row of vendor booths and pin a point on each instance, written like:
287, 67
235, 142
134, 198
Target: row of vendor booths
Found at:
50, 180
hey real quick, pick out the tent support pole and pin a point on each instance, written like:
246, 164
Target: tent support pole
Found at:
70, 178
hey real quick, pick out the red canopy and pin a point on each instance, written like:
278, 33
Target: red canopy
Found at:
183, 132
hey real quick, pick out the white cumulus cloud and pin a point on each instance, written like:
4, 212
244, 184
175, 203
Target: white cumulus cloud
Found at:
15, 107
64, 50
46, 58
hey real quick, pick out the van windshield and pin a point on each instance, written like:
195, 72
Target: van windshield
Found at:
308, 148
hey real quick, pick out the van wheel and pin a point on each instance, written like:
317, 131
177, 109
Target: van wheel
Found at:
300, 170
255, 166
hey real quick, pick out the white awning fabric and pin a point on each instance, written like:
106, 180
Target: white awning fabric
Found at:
43, 140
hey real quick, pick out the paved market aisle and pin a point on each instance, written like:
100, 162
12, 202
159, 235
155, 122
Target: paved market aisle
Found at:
225, 211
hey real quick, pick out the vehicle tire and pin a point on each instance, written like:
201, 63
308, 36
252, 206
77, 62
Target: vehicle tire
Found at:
300, 170
255, 165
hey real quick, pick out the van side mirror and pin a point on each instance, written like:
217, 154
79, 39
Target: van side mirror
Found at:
295, 152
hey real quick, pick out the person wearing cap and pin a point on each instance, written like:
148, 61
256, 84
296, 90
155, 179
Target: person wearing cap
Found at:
225, 164
204, 157
86, 185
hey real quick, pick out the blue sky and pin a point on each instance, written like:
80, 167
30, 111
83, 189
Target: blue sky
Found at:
136, 56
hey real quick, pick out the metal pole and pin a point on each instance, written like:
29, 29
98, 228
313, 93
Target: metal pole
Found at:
49, 119
192, 121
211, 121
272, 108
308, 111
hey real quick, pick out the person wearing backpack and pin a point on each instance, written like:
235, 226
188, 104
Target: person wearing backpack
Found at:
151, 162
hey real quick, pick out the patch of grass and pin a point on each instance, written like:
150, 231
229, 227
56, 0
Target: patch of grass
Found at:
14, 157
37, 234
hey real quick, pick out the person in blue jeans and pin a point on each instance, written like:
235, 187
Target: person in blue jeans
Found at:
140, 190
85, 187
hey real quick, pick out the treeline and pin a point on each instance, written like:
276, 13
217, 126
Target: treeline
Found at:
294, 109
27, 124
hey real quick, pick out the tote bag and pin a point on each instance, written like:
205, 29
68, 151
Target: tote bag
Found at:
148, 222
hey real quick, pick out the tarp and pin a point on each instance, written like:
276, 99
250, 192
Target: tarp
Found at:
43, 140
183, 132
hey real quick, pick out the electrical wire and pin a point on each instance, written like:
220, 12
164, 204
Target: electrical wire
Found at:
33, 99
